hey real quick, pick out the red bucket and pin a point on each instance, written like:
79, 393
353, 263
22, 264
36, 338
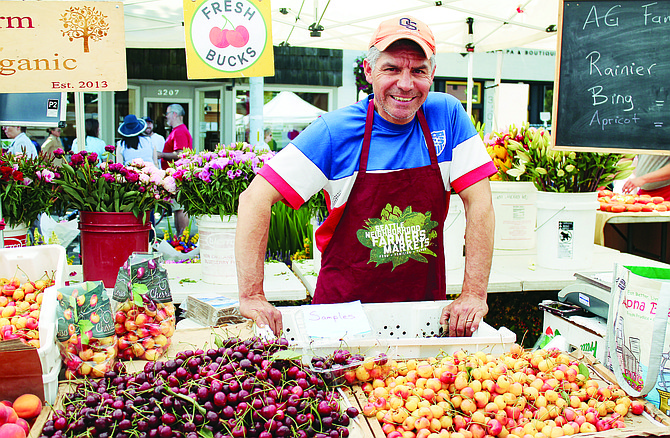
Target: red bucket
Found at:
15, 237
107, 240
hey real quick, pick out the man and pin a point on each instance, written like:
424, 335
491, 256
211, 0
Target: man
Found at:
178, 140
21, 144
157, 140
387, 164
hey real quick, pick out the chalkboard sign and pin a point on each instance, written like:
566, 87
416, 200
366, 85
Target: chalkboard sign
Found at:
612, 91
44, 110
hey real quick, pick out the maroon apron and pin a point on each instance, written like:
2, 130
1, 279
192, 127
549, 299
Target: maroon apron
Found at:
379, 249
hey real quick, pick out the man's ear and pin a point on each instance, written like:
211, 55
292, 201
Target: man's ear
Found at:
368, 71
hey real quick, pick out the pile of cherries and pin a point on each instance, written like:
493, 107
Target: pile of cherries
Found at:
243, 388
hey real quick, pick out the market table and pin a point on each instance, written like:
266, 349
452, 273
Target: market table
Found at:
603, 218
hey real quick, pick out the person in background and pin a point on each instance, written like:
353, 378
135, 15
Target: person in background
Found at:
21, 143
133, 145
652, 176
178, 140
157, 140
52, 143
92, 143
264, 147
393, 160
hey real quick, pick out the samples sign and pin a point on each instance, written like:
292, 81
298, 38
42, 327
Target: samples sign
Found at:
62, 46
228, 39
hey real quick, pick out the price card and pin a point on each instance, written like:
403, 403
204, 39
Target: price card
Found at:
335, 320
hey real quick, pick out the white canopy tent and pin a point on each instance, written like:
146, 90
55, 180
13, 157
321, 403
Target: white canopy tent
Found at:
348, 24
288, 107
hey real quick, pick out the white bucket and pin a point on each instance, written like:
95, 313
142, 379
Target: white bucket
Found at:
566, 224
316, 254
217, 249
516, 213
454, 234
15, 237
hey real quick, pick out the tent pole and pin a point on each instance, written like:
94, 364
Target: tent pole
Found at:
256, 136
80, 120
470, 86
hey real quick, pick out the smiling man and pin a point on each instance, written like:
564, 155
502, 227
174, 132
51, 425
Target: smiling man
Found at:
388, 165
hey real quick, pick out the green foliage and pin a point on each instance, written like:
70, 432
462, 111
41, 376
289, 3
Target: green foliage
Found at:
210, 183
26, 188
138, 187
288, 230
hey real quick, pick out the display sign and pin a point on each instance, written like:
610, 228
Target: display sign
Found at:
62, 46
45, 110
228, 39
611, 92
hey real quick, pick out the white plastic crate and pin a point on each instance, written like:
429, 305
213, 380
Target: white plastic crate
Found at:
401, 330
34, 262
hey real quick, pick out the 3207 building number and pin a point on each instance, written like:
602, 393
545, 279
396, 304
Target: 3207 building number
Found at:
166, 92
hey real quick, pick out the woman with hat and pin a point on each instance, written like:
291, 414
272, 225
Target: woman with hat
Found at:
133, 145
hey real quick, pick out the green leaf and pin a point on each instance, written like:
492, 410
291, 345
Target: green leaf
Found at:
583, 370
286, 355
138, 291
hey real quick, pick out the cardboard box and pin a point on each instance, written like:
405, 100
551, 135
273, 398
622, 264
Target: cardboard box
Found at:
578, 335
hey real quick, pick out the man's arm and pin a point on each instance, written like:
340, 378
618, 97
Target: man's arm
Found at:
468, 310
251, 238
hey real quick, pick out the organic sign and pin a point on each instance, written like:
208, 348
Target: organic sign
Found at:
62, 46
612, 73
227, 39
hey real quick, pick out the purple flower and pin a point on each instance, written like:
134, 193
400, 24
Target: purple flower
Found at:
132, 177
205, 175
108, 177
92, 158
115, 167
110, 148
231, 174
58, 153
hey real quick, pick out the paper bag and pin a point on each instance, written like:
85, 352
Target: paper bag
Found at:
637, 332
19, 380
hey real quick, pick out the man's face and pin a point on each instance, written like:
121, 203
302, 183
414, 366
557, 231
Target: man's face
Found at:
400, 81
11, 131
150, 128
171, 117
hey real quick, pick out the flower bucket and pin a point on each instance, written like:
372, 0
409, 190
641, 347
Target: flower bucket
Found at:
566, 224
15, 237
516, 214
454, 234
217, 249
107, 240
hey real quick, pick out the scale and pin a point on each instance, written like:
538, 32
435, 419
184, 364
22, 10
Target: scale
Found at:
591, 292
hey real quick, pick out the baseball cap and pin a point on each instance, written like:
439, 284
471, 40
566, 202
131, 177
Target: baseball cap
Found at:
404, 27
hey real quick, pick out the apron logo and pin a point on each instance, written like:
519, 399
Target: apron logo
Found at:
398, 236
440, 140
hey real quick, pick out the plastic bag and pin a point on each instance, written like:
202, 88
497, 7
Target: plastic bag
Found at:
66, 231
145, 319
86, 338
169, 253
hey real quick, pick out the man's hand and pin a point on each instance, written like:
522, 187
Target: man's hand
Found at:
262, 313
464, 315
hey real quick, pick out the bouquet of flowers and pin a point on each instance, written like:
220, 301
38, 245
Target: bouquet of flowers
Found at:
184, 243
87, 185
210, 183
497, 145
362, 84
26, 188
554, 170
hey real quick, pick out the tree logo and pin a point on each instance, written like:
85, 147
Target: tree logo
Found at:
86, 23
397, 236
229, 37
